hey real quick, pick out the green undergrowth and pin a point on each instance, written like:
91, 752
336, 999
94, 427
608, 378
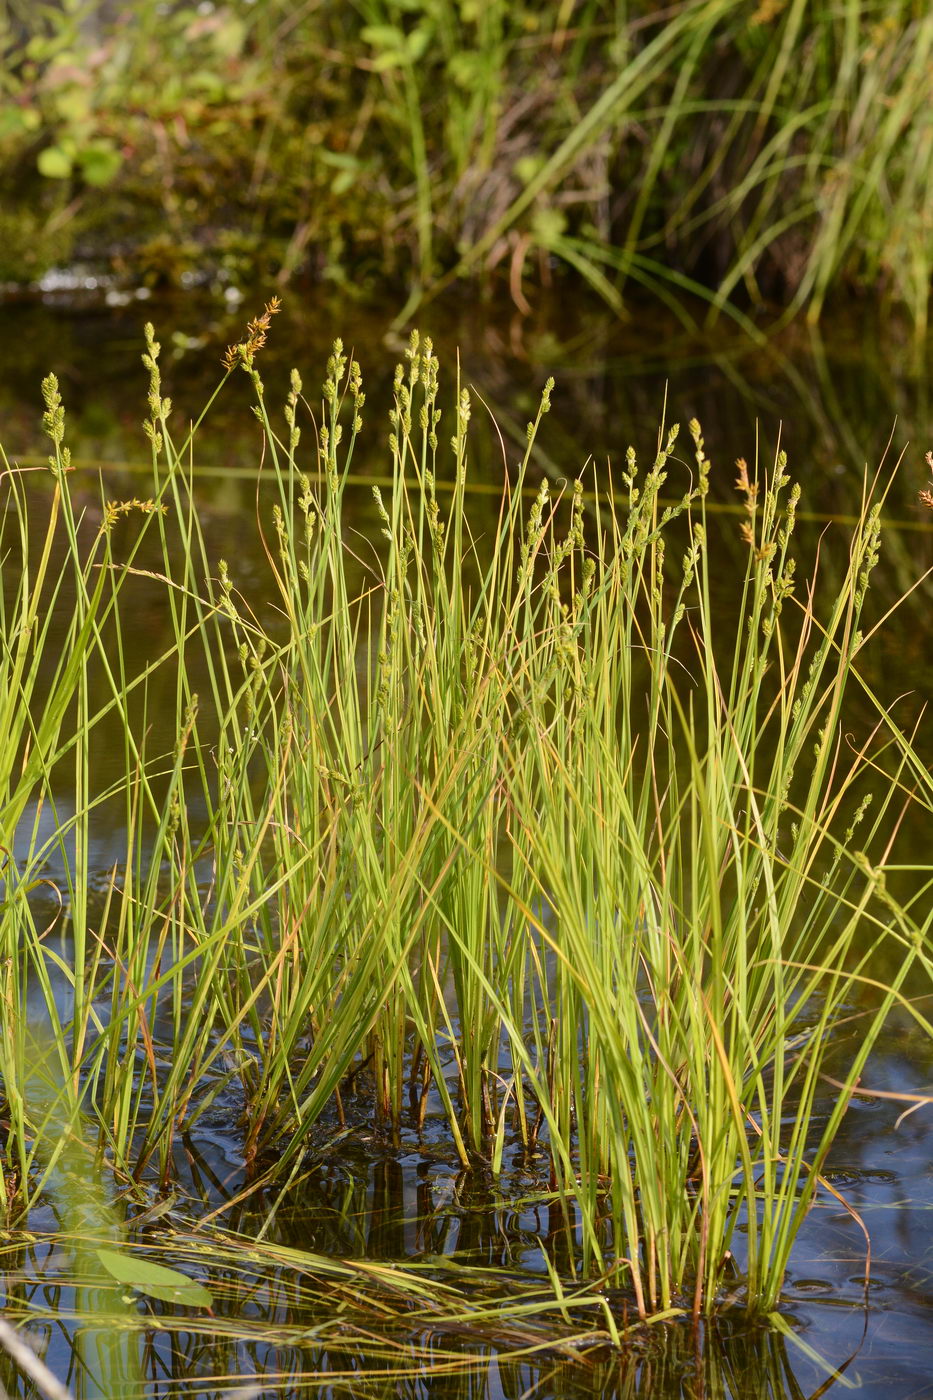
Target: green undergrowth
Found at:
515, 827
742, 151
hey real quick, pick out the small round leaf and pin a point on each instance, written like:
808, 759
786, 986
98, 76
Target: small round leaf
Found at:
54, 163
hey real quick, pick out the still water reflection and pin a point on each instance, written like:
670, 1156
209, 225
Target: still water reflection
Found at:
274, 1324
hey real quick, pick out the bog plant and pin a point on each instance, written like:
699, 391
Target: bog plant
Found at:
529, 828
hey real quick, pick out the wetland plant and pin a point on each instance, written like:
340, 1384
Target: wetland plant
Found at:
516, 820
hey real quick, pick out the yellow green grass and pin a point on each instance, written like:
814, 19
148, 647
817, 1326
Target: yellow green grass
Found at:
527, 822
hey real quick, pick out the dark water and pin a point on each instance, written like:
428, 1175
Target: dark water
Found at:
367, 1202
838, 405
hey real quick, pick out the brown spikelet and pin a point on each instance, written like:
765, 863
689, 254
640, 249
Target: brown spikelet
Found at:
926, 495
256, 330
749, 490
741, 481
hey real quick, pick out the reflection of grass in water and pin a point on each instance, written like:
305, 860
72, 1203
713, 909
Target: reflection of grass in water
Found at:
105, 1353
389, 794
439, 1323
103, 1275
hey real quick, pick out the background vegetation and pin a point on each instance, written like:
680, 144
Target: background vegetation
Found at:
751, 151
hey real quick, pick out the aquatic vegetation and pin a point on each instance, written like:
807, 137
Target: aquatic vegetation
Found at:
534, 832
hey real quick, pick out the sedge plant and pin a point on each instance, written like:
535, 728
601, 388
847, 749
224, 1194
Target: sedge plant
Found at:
519, 820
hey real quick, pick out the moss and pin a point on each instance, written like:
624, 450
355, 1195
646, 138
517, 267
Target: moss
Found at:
33, 239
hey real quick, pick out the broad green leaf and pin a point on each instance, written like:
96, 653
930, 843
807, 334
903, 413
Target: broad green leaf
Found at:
99, 162
155, 1280
54, 163
417, 42
383, 36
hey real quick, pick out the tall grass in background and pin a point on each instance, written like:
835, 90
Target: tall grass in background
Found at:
744, 151
736, 151
524, 830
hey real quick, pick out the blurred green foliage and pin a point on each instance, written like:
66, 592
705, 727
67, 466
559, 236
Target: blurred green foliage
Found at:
752, 151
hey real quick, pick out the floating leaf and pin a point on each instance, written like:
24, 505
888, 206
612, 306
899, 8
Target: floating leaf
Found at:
155, 1280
